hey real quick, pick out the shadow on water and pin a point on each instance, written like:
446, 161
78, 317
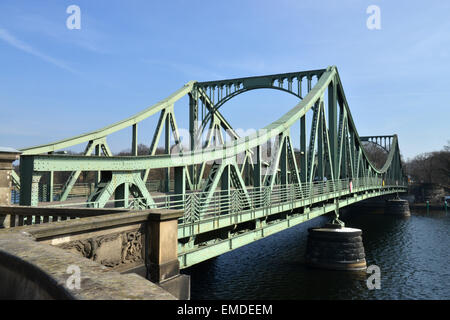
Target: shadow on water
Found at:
411, 252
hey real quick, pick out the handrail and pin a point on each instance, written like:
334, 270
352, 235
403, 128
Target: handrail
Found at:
222, 201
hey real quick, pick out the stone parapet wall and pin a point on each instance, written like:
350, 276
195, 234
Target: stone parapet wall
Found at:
35, 270
111, 250
114, 240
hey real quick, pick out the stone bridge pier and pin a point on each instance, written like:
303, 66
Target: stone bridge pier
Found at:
7, 157
162, 265
120, 253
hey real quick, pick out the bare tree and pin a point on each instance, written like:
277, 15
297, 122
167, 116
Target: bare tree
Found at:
432, 167
376, 154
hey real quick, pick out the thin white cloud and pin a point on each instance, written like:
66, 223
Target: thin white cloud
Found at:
90, 39
11, 40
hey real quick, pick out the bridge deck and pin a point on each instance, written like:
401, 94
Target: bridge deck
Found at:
232, 220
263, 227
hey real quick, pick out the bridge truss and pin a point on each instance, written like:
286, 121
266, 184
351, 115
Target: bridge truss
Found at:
220, 194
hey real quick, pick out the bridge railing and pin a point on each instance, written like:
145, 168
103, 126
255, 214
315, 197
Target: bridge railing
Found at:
25, 215
197, 206
228, 202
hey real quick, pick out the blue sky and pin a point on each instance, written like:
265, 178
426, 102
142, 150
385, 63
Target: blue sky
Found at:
56, 83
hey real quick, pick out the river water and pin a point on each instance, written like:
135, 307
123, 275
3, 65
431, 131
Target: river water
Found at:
413, 254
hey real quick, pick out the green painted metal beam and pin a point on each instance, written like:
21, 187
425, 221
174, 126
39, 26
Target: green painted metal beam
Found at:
63, 144
199, 254
334, 149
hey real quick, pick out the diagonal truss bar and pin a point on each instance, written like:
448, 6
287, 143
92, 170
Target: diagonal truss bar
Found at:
312, 141
75, 174
233, 148
269, 179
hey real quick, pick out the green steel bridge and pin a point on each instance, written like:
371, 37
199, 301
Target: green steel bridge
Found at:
230, 193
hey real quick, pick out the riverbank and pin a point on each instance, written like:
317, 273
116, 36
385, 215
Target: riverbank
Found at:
423, 207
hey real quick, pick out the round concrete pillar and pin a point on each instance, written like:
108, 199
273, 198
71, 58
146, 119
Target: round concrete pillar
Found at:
397, 207
335, 248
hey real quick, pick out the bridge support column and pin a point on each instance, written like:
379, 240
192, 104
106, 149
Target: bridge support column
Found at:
163, 267
336, 248
7, 157
397, 207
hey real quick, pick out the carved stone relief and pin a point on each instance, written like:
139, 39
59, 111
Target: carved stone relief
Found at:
110, 250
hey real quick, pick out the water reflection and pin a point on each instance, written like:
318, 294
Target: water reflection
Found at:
412, 252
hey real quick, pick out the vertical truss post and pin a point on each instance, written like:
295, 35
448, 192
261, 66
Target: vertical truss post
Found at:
167, 151
225, 193
299, 86
344, 151
257, 176
284, 167
332, 125
193, 131
358, 162
50, 186
134, 144
247, 170
257, 168
352, 154
328, 169
284, 162
98, 173
342, 119
179, 186
303, 157
395, 166
320, 143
